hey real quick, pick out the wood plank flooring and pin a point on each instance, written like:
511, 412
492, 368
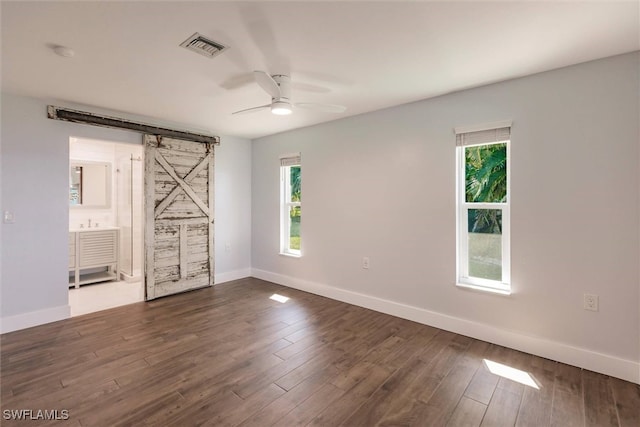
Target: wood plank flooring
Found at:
230, 356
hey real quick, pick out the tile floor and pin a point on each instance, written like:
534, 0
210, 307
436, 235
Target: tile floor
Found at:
101, 296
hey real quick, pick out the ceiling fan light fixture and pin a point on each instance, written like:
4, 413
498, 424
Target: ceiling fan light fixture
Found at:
281, 108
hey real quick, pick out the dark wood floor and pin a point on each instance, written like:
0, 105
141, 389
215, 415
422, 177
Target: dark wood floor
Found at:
231, 356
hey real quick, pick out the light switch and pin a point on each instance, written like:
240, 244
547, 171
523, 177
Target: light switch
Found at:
8, 217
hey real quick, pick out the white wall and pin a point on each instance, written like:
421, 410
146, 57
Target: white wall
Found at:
382, 185
34, 169
233, 209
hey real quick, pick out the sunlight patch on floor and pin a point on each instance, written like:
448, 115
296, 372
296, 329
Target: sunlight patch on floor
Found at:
279, 298
513, 374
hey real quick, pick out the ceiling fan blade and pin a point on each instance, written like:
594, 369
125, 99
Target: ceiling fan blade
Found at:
267, 83
325, 108
253, 109
307, 87
238, 81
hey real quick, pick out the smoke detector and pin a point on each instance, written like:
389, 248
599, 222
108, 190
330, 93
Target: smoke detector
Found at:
203, 45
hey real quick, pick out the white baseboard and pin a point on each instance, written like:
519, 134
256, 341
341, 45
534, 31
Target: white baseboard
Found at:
34, 318
232, 275
628, 370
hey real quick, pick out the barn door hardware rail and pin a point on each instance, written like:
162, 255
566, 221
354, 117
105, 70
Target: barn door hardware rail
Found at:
59, 113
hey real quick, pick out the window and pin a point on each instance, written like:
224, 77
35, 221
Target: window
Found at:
483, 247
290, 204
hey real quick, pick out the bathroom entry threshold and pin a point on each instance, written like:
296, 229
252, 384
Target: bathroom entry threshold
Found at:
102, 296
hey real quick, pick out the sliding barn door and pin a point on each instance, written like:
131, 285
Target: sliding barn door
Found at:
179, 209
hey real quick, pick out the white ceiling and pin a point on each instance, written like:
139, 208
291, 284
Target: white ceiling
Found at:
366, 55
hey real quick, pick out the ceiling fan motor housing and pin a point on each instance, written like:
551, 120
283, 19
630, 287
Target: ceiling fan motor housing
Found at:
282, 104
284, 83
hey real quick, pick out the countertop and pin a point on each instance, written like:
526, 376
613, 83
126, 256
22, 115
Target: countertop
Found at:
99, 228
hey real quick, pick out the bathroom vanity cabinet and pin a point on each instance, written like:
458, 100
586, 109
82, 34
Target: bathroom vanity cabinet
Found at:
93, 255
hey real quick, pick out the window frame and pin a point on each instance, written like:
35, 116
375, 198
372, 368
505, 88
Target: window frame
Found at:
463, 278
286, 204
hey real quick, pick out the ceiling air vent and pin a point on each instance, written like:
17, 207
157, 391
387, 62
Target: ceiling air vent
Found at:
203, 45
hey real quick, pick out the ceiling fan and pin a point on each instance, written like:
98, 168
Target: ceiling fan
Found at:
279, 87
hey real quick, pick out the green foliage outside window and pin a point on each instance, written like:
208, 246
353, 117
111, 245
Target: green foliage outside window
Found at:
486, 182
295, 211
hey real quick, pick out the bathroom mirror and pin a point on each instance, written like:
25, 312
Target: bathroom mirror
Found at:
89, 184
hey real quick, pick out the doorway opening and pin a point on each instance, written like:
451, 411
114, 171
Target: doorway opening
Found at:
106, 229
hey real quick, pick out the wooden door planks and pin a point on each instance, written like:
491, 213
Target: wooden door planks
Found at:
229, 355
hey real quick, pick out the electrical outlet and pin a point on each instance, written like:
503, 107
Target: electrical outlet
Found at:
365, 262
591, 302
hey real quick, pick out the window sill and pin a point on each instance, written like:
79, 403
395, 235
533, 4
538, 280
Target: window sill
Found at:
290, 255
484, 289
